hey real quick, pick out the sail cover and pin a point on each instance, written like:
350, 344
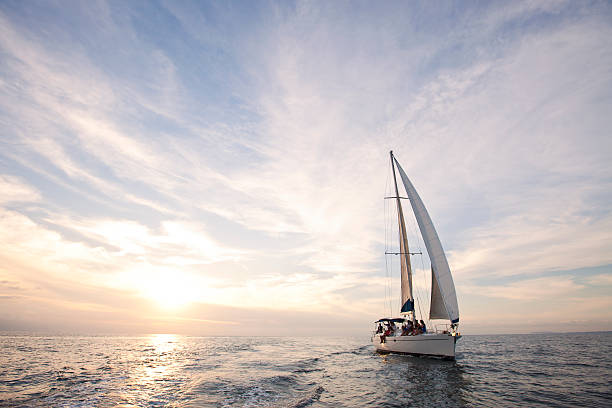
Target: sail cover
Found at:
439, 264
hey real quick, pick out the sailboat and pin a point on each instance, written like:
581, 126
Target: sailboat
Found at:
443, 305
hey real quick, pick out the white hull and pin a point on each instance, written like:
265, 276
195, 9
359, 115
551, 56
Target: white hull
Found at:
438, 345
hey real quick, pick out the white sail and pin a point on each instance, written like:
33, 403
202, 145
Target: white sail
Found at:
439, 264
437, 309
406, 268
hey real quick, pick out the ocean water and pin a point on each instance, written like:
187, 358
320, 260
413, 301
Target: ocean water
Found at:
564, 370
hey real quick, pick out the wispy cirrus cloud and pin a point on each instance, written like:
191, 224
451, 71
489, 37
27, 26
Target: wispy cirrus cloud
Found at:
13, 189
246, 149
530, 289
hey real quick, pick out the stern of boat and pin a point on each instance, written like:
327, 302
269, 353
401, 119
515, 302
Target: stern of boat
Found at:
431, 345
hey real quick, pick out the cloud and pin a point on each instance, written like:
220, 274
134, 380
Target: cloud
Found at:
173, 265
522, 244
520, 176
601, 280
122, 255
13, 189
246, 152
539, 288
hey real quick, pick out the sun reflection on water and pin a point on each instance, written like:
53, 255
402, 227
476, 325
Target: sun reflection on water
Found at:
164, 343
159, 365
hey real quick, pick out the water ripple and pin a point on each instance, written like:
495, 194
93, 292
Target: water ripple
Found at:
173, 371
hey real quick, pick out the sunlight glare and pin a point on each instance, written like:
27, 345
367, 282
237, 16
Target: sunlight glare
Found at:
171, 290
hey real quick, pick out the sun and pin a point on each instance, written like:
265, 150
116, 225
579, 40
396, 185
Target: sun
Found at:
170, 290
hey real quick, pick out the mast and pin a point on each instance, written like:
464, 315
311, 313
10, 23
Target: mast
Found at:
406, 267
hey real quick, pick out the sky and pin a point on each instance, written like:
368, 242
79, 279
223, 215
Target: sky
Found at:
220, 168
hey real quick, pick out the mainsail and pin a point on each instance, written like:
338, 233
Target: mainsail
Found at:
406, 269
442, 280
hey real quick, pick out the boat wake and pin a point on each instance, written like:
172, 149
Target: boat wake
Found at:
306, 399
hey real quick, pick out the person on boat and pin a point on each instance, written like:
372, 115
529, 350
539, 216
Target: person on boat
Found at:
417, 327
409, 328
423, 327
388, 332
380, 329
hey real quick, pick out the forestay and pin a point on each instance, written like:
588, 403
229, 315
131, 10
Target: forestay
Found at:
442, 280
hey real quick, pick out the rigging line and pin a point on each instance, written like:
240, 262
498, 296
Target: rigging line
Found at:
390, 285
420, 295
418, 240
386, 284
426, 285
417, 235
389, 237
386, 261
428, 290
392, 243
386, 265
388, 297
